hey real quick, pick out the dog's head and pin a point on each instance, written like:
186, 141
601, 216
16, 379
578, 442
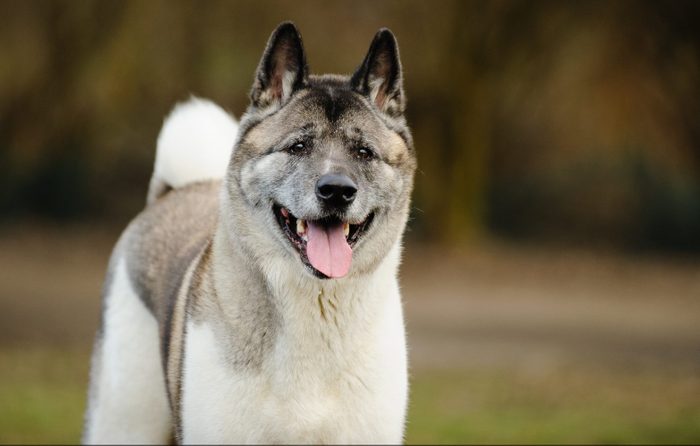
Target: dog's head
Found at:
323, 169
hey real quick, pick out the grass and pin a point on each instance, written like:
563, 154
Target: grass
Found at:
42, 398
42, 395
566, 406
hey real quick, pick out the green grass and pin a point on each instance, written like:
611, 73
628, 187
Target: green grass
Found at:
42, 395
566, 406
42, 398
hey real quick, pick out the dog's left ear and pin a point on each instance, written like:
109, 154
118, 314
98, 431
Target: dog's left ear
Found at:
379, 77
282, 69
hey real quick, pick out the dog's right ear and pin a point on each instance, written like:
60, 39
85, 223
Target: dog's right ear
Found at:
282, 69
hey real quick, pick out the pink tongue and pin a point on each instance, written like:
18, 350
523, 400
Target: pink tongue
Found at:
327, 249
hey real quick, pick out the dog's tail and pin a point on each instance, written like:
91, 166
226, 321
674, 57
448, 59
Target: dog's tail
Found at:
194, 144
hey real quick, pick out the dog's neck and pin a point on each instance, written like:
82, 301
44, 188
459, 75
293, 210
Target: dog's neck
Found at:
320, 315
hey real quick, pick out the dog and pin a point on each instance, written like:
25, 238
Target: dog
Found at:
255, 299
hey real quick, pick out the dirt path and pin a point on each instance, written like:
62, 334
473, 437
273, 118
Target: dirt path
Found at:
533, 308
489, 305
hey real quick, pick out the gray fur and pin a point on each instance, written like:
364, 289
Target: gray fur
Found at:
160, 245
163, 240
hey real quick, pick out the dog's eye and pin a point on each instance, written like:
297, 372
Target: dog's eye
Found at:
364, 153
298, 148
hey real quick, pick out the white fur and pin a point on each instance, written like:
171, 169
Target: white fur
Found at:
287, 85
195, 143
374, 85
334, 379
128, 397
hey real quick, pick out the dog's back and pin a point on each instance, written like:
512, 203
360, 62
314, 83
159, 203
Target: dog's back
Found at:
161, 243
146, 273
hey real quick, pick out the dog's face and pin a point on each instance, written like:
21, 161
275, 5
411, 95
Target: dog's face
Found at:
323, 169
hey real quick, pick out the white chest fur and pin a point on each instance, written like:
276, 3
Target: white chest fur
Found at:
320, 384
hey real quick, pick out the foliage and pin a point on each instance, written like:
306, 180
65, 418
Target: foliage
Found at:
527, 115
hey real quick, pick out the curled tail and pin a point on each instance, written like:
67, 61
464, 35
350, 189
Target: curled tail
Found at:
194, 144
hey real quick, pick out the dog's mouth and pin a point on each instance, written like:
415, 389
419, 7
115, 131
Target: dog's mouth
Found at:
324, 245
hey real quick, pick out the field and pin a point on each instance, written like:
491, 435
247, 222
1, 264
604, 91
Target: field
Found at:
509, 344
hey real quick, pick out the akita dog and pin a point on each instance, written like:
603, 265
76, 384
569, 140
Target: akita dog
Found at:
255, 298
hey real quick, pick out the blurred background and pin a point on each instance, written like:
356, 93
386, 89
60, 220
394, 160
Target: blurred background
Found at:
552, 265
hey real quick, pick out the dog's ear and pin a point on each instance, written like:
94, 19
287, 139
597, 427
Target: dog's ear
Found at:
379, 77
282, 69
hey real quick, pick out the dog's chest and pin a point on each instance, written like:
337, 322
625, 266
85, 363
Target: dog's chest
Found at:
298, 395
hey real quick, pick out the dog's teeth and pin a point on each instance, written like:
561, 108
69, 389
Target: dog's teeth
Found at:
301, 227
346, 229
284, 212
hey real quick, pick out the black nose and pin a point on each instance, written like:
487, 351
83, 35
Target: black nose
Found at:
336, 190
